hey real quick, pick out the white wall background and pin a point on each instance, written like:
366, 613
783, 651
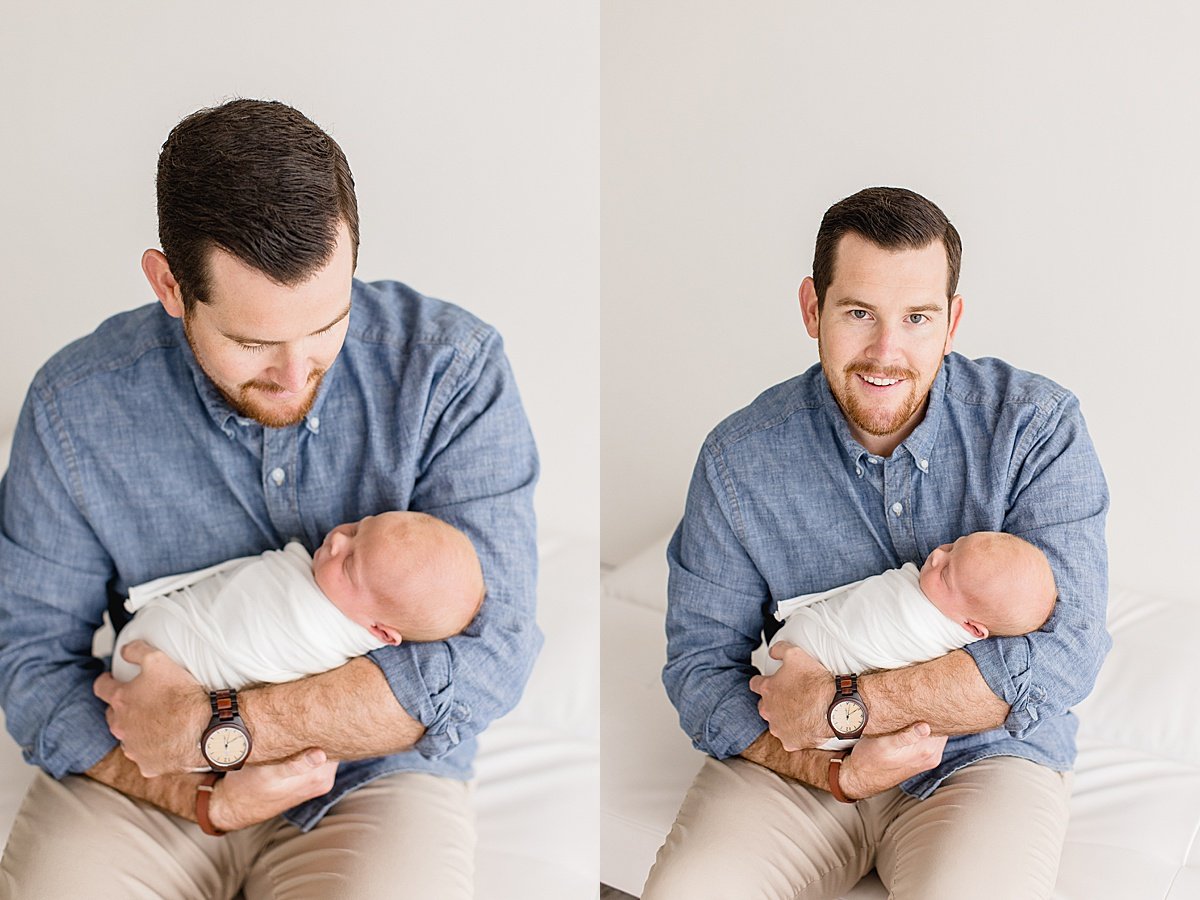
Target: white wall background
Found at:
1063, 141
471, 127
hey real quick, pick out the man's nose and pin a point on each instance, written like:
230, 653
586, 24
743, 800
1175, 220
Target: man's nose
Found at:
883, 341
291, 369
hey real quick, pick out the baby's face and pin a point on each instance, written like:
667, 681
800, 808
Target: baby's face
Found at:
942, 576
340, 567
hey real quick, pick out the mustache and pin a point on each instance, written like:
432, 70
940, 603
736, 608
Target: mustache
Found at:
860, 368
272, 388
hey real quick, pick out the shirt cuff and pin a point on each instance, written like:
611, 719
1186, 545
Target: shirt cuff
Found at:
419, 676
75, 739
1004, 665
733, 726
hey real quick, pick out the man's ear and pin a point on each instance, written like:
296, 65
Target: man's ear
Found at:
158, 272
977, 629
386, 633
808, 307
956, 310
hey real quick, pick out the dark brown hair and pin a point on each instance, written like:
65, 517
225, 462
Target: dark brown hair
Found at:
891, 218
259, 180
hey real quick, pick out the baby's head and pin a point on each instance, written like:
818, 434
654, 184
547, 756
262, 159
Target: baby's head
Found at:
403, 575
990, 583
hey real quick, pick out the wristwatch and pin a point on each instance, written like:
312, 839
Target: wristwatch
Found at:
847, 714
226, 742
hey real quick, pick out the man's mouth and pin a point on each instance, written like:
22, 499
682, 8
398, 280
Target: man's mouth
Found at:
878, 380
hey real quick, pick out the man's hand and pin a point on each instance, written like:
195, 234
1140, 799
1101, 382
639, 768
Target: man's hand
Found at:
159, 715
880, 763
257, 793
795, 698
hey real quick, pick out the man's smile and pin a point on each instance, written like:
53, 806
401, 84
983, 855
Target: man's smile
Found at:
879, 381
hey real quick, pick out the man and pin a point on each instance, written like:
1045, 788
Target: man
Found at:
890, 447
267, 397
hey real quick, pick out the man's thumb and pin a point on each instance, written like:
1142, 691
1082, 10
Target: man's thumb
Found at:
314, 757
921, 730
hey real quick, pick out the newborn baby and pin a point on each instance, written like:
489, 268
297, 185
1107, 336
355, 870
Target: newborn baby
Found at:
983, 584
284, 615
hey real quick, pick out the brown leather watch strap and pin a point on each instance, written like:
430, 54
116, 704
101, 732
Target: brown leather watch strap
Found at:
204, 792
835, 773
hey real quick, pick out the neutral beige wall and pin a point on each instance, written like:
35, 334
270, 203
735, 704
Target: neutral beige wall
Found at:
1061, 139
472, 129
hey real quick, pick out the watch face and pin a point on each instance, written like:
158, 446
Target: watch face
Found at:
226, 746
847, 717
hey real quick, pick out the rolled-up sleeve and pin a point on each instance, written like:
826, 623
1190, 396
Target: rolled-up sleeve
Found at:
478, 470
715, 601
53, 592
1058, 502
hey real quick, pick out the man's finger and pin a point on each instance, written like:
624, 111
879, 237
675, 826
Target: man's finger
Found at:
135, 651
303, 762
104, 687
912, 734
779, 648
756, 683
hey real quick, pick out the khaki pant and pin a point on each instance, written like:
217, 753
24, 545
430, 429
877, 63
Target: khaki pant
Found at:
992, 830
404, 835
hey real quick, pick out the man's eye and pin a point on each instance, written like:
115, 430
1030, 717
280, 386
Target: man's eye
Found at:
858, 313
918, 318
253, 348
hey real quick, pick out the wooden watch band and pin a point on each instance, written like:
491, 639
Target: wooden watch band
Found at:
204, 792
835, 773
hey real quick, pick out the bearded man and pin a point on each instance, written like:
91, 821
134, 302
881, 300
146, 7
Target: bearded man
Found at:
893, 445
267, 397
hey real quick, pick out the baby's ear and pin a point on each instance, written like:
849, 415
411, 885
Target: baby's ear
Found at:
978, 630
386, 633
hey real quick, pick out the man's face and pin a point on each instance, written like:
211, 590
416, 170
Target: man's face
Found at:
266, 346
885, 327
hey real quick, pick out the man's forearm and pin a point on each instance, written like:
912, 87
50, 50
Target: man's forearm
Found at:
174, 793
349, 712
948, 693
809, 766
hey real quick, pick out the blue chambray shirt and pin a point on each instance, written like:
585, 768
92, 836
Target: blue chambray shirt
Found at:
127, 465
783, 502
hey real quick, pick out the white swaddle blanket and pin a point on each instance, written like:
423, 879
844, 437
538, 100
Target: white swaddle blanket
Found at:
881, 622
255, 620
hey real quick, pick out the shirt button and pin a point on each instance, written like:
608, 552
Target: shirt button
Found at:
924, 464
873, 460
278, 476
313, 424
858, 471
897, 508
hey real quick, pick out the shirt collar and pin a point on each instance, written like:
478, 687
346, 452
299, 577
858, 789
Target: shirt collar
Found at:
919, 444
218, 407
